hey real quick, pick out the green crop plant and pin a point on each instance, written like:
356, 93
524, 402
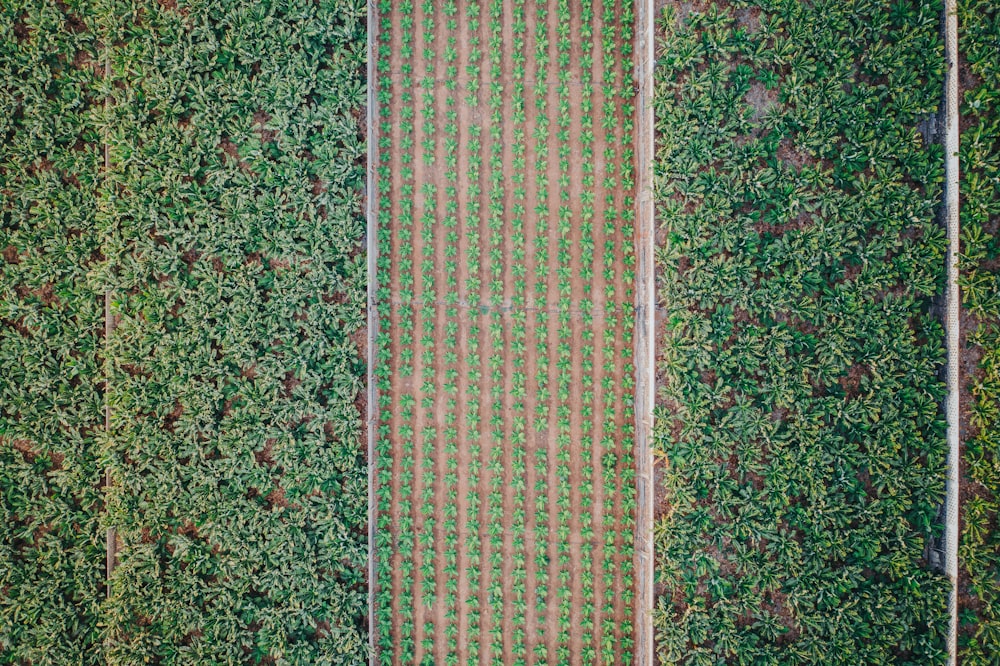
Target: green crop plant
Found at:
979, 550
51, 326
235, 222
801, 439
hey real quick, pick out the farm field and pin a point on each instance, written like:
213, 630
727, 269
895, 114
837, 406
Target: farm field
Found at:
183, 333
979, 553
504, 475
235, 359
181, 357
802, 440
51, 322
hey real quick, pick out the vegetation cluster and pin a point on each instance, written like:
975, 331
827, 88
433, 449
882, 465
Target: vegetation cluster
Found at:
51, 326
799, 421
202, 163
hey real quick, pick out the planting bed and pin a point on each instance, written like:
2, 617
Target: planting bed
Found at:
234, 237
51, 322
505, 230
802, 441
979, 553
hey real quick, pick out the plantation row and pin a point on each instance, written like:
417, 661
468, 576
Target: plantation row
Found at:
504, 472
239, 480
979, 551
799, 417
51, 321
227, 231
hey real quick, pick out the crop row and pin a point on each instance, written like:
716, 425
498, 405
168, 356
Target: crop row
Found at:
979, 551
799, 418
51, 320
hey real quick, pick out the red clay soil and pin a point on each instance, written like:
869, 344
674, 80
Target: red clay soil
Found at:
531, 621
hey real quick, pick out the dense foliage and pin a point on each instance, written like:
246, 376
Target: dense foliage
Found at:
980, 167
799, 421
234, 236
51, 322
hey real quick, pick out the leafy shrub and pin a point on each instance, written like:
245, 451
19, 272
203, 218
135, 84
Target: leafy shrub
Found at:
235, 223
979, 551
51, 323
799, 421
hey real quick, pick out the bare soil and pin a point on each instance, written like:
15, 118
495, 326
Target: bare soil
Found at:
969, 374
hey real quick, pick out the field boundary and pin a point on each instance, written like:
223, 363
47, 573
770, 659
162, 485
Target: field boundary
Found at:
372, 318
952, 305
645, 354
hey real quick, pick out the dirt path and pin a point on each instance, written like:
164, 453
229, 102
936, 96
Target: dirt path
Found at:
437, 203
601, 398
551, 291
467, 346
519, 507
412, 387
580, 288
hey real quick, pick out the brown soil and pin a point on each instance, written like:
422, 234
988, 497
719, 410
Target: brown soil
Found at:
529, 619
232, 151
25, 447
533, 624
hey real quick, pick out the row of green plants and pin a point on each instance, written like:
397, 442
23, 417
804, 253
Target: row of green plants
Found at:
502, 289
979, 550
236, 368
227, 229
51, 323
799, 433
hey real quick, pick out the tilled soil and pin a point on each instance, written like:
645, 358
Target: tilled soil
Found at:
521, 475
